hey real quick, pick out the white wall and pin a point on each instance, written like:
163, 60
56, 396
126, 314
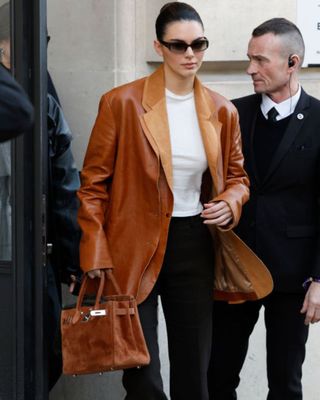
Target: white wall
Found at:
98, 44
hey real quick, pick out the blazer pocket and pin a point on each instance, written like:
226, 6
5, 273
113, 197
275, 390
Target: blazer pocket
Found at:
301, 231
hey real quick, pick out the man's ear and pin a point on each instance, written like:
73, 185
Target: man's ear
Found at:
158, 48
294, 61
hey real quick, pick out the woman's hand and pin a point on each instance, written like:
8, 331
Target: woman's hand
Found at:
95, 273
217, 213
76, 281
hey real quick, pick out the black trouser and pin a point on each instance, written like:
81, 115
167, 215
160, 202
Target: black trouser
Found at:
185, 285
286, 338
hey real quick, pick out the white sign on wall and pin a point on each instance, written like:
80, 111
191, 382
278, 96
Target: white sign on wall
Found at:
308, 21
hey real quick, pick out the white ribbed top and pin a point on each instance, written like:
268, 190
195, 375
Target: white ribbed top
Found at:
189, 160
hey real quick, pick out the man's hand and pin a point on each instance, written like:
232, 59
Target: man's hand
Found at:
311, 304
217, 213
73, 283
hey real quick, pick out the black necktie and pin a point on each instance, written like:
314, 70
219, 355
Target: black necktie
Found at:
272, 115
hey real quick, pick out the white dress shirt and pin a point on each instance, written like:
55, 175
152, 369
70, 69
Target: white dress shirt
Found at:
285, 108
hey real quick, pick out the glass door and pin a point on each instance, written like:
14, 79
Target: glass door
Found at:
7, 290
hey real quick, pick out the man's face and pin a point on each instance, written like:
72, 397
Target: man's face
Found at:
5, 59
268, 66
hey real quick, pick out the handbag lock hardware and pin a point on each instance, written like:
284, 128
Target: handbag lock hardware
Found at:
98, 313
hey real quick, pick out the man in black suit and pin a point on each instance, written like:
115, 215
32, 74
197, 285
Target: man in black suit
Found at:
16, 111
280, 127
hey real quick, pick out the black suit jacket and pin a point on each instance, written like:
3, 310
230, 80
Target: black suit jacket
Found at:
281, 220
16, 111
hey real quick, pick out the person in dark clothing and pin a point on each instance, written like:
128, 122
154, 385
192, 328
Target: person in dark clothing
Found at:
16, 111
280, 127
62, 227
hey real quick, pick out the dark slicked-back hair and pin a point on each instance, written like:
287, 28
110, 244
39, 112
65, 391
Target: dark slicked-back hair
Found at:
290, 34
173, 12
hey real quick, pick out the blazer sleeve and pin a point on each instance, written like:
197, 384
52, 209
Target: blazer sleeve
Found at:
16, 111
236, 189
94, 193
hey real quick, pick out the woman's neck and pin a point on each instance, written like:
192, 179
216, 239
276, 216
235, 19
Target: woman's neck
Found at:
178, 85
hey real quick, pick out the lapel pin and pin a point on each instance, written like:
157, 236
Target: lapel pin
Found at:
300, 116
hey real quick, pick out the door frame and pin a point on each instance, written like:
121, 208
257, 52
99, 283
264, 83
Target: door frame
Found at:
29, 199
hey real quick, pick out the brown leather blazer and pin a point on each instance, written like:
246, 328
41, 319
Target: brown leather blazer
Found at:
126, 192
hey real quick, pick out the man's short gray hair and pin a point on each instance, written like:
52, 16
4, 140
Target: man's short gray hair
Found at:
290, 35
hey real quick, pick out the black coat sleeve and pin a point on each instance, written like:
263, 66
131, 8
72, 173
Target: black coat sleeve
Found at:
16, 111
64, 181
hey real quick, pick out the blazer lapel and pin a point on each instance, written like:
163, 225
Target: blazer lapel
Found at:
156, 126
210, 128
294, 127
155, 121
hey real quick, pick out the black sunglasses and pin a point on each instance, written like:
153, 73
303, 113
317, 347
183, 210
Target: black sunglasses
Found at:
181, 47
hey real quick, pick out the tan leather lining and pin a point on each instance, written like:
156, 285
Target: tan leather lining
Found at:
239, 274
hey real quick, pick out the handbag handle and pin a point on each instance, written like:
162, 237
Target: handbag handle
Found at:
112, 279
104, 273
83, 289
82, 292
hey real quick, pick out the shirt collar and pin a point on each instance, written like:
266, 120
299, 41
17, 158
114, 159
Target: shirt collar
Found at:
285, 108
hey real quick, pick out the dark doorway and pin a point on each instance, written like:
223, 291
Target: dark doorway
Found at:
23, 244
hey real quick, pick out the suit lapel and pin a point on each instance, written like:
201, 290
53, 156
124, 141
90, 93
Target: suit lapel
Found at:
294, 127
248, 109
252, 154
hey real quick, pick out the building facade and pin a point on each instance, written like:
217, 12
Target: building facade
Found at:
98, 44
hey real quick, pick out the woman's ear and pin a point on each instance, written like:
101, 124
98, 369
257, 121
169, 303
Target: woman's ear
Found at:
158, 48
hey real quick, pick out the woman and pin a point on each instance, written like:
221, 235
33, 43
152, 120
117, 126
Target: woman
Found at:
156, 147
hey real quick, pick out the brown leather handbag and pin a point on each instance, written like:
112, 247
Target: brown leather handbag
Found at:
103, 336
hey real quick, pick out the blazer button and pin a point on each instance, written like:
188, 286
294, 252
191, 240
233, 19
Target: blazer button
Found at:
168, 215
